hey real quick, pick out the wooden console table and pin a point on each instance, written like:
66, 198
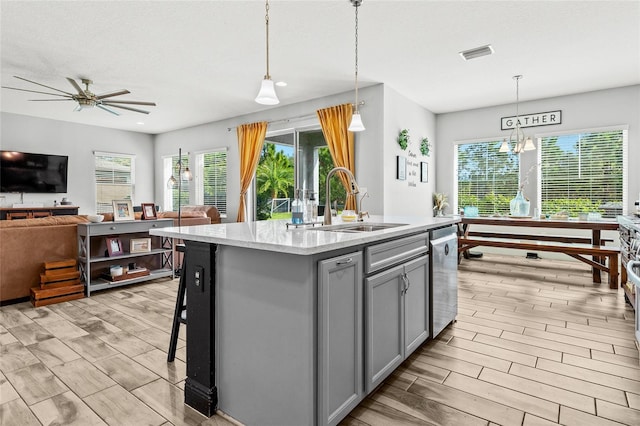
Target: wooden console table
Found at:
11, 213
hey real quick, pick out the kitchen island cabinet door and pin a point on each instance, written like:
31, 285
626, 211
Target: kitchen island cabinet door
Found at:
416, 303
340, 337
384, 325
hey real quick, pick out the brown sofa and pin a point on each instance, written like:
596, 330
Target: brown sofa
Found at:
26, 244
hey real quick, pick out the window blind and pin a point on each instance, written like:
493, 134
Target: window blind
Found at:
583, 172
487, 178
211, 180
114, 176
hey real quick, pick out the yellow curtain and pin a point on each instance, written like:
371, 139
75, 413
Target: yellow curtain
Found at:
250, 140
335, 124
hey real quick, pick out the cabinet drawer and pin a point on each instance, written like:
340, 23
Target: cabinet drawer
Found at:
387, 254
110, 228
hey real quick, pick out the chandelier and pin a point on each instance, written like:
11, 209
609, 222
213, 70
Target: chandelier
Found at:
517, 137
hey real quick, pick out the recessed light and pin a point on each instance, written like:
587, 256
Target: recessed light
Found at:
476, 52
281, 83
140, 123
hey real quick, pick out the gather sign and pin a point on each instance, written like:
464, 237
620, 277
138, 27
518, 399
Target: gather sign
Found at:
532, 120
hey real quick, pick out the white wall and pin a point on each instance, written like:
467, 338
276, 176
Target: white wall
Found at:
620, 106
215, 135
43, 136
409, 197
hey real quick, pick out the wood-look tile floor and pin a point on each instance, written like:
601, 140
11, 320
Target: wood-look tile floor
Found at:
536, 343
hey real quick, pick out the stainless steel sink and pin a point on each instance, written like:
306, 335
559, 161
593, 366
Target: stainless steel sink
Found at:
357, 227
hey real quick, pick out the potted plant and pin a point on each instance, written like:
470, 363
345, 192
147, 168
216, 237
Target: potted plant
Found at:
439, 203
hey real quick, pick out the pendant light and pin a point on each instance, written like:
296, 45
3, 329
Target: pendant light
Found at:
267, 94
517, 138
356, 121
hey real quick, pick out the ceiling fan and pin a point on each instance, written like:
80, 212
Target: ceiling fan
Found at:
85, 98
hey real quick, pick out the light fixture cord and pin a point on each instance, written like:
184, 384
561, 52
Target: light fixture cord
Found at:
356, 5
266, 19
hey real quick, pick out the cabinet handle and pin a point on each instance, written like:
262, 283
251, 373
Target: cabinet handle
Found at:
344, 262
112, 228
154, 225
446, 249
407, 283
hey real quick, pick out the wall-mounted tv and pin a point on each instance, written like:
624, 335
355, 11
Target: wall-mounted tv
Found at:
33, 173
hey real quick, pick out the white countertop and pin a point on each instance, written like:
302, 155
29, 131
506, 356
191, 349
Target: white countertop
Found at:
273, 235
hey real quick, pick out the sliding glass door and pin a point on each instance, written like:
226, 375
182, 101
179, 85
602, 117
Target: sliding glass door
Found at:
292, 159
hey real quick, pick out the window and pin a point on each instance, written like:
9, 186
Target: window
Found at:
211, 179
584, 172
115, 179
487, 178
180, 191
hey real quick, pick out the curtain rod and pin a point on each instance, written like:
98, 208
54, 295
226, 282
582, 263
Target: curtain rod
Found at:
299, 117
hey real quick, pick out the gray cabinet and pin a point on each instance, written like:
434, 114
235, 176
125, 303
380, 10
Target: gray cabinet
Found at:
396, 317
340, 337
94, 262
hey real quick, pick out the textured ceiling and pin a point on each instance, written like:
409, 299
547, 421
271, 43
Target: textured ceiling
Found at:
203, 61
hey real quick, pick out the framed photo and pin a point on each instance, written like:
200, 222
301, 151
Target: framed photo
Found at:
424, 172
123, 210
114, 247
140, 245
149, 211
401, 167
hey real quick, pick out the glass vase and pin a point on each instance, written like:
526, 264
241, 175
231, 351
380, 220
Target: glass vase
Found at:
519, 206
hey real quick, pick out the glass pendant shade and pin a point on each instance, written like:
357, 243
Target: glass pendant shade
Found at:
505, 146
171, 182
187, 175
356, 123
528, 145
267, 94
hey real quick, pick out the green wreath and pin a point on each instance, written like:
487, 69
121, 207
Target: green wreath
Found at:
403, 139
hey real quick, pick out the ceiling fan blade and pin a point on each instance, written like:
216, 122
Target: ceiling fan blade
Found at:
107, 109
48, 87
45, 100
77, 87
132, 102
110, 94
36, 91
124, 107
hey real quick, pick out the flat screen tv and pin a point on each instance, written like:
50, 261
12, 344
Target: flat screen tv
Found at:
33, 173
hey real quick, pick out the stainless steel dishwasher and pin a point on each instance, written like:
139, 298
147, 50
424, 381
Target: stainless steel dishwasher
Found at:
444, 278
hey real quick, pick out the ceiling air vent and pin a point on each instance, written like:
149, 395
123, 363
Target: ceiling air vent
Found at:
477, 52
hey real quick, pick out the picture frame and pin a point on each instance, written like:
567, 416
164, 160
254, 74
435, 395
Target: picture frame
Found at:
122, 210
424, 171
149, 211
401, 163
114, 247
140, 245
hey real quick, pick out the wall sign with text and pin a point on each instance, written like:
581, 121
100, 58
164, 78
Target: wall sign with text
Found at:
532, 120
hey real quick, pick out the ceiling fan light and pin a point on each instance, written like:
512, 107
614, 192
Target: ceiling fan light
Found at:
267, 94
356, 123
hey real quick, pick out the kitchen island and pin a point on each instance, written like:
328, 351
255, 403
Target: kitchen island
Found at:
296, 326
